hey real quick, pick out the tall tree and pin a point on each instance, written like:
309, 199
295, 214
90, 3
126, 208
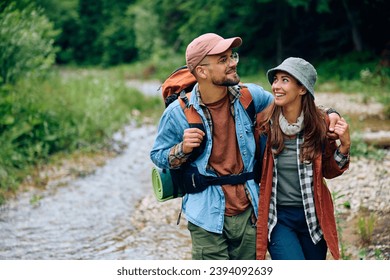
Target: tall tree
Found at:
91, 20
95, 31
352, 17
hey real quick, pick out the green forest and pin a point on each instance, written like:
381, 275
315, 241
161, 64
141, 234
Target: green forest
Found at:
106, 33
63, 63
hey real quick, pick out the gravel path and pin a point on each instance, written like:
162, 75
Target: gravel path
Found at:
349, 103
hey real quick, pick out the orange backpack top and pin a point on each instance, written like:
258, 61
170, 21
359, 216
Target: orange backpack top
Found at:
180, 79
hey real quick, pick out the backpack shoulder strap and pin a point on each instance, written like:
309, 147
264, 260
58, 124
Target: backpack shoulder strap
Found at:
192, 116
260, 138
194, 120
247, 101
246, 97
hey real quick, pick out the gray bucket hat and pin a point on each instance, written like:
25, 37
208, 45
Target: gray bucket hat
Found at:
300, 69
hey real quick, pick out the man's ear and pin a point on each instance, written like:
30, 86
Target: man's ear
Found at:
200, 72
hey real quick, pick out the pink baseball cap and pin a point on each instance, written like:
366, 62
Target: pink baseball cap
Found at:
208, 44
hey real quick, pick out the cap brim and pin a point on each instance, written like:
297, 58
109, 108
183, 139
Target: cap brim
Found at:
225, 44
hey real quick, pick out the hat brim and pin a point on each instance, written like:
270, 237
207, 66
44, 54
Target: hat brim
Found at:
225, 44
271, 74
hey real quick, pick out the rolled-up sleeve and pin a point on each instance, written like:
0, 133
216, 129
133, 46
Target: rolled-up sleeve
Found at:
176, 156
340, 158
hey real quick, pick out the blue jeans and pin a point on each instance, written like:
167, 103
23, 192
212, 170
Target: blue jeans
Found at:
290, 238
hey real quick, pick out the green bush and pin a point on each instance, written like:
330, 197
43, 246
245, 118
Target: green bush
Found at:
347, 67
118, 42
26, 43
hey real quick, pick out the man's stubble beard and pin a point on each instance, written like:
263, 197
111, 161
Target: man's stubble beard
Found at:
227, 82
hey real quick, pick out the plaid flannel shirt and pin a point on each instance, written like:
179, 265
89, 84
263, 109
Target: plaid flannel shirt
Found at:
305, 171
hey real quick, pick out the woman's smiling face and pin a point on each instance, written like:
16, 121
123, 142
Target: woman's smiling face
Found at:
287, 90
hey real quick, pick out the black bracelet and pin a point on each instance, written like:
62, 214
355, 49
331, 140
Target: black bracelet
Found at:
331, 110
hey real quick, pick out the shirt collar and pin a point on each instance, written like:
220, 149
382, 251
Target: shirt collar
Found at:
234, 94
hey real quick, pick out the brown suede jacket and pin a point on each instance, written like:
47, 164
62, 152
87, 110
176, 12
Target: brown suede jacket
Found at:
323, 167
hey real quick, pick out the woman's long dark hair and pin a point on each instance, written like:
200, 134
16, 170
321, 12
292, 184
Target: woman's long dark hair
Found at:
314, 130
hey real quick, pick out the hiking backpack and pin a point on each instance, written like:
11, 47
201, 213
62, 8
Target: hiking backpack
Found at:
187, 179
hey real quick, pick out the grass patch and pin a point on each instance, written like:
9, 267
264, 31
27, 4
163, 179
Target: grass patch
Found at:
70, 110
365, 228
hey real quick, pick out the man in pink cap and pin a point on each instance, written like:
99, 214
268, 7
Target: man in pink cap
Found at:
221, 218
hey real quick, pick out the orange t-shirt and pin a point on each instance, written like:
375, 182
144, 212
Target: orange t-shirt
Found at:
225, 156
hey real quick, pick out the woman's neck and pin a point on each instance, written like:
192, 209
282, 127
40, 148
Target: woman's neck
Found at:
291, 113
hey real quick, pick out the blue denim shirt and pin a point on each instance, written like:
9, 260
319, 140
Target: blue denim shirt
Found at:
206, 209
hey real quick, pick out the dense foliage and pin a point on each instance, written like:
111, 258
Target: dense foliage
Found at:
113, 32
26, 43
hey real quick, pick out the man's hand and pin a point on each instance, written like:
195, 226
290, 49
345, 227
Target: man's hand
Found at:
333, 118
342, 130
192, 138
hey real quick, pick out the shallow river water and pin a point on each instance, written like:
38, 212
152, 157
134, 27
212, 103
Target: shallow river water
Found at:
88, 218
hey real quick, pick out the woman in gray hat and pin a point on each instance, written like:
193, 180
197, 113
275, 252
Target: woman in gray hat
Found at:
296, 215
